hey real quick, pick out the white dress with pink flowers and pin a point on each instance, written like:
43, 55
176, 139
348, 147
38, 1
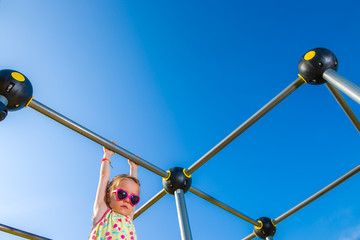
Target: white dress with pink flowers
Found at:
113, 226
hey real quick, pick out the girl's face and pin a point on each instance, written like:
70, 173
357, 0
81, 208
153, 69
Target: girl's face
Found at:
124, 207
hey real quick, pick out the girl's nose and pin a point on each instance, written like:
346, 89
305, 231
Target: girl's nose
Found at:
127, 200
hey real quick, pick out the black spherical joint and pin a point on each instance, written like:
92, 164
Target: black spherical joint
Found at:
267, 228
314, 63
177, 179
16, 88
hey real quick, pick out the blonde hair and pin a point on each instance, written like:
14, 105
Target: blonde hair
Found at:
115, 182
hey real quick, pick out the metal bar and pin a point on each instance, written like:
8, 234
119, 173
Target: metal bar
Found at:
339, 98
21, 233
249, 237
147, 205
223, 206
96, 138
318, 194
343, 84
182, 215
269, 238
265, 109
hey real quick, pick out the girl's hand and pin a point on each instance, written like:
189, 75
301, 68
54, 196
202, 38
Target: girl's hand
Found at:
133, 168
132, 164
107, 152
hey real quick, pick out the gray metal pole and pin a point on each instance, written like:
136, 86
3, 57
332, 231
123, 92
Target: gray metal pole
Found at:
249, 237
223, 206
269, 238
339, 98
153, 200
318, 194
21, 233
182, 215
96, 138
343, 84
281, 96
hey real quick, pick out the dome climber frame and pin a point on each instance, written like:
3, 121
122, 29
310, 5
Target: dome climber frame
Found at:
317, 66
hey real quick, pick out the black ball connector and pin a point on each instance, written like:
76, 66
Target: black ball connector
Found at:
15, 91
177, 179
314, 63
266, 229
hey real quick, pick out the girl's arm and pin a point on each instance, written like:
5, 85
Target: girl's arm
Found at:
133, 169
100, 206
133, 173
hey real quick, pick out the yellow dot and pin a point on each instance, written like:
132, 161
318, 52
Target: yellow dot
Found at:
18, 76
309, 55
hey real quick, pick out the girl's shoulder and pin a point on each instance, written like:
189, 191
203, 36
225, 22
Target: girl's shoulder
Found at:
105, 216
112, 216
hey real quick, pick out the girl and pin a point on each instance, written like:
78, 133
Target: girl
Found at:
115, 203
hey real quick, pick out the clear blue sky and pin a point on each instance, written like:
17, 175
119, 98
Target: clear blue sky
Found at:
168, 80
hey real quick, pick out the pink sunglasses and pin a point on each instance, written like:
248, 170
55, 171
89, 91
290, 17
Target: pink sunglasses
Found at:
121, 195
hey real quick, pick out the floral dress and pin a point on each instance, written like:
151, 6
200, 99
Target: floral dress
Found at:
113, 226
